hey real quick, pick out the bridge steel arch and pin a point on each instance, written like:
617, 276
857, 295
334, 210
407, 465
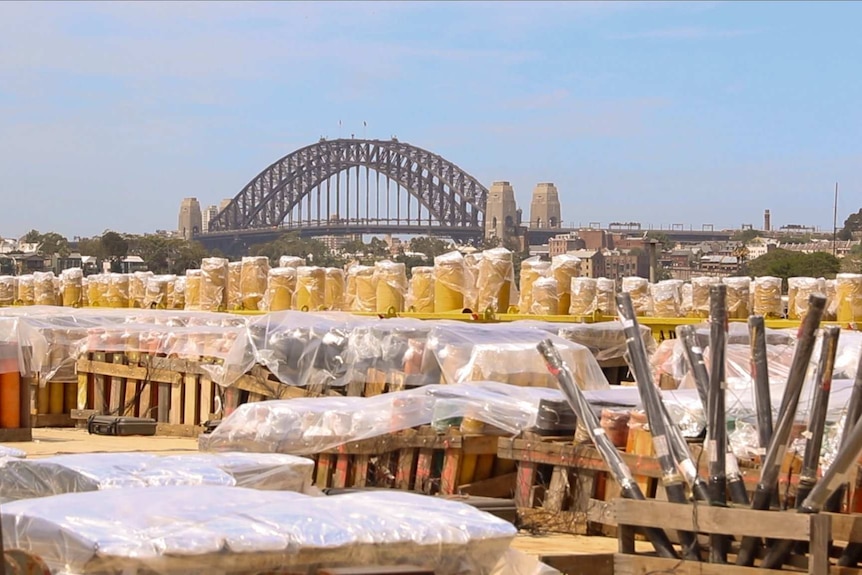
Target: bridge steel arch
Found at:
452, 197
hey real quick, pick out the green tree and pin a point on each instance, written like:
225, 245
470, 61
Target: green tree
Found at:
114, 245
745, 236
664, 242
853, 223
852, 262
431, 247
315, 252
49, 243
786, 264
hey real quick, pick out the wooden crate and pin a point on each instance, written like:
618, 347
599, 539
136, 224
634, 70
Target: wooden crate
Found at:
820, 531
418, 460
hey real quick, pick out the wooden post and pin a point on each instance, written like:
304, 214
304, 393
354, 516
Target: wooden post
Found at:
524, 484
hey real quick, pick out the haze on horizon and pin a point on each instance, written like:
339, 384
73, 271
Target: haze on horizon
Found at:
662, 113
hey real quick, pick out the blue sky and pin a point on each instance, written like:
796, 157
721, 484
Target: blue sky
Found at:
662, 113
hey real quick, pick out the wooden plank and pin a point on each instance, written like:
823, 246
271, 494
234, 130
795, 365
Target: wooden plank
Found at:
118, 384
191, 399
360, 470
100, 382
178, 430
163, 399
479, 444
175, 415
100, 368
231, 400
557, 491
325, 463
20, 434
451, 468
83, 389
526, 476
342, 468
846, 527
52, 420
404, 471
627, 564
820, 542
502, 486
206, 405
729, 520
133, 389
588, 563
423, 470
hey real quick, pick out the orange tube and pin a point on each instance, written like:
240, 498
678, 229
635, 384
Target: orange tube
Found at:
55, 404
10, 400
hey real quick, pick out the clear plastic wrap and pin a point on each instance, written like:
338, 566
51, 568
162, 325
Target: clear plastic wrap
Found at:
391, 281
583, 296
420, 292
312, 425
798, 291
565, 268
830, 287
767, 296
71, 287
280, 289
451, 280
606, 296
310, 288
848, 294
700, 294
472, 261
545, 297
7, 452
85, 292
138, 288
506, 353
234, 289
8, 290
118, 291
738, 297
333, 297
233, 530
531, 269
43, 289
638, 288
76, 473
95, 291
177, 295
253, 275
496, 281
290, 262
687, 305
606, 340
158, 289
26, 295
361, 289
214, 283
392, 350
666, 298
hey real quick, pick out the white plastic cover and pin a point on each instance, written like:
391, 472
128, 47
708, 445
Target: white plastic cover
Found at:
638, 288
30, 478
233, 530
606, 340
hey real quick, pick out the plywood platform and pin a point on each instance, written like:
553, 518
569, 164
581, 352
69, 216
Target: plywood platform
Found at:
54, 441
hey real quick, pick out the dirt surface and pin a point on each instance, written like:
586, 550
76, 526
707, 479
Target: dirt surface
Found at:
50, 441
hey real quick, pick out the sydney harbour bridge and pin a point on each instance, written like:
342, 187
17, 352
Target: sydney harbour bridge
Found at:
358, 186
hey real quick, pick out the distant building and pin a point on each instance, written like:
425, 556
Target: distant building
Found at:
223, 204
545, 207
760, 247
842, 248
565, 243
207, 216
190, 218
719, 265
132, 264
619, 266
336, 243
501, 211
592, 263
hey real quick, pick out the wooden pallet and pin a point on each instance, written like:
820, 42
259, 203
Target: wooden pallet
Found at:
52, 403
419, 460
820, 531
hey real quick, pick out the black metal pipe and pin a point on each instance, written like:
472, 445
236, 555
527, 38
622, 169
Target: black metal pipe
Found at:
771, 467
779, 550
672, 479
854, 409
760, 373
716, 418
618, 468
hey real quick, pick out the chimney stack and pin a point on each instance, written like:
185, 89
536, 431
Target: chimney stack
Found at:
766, 221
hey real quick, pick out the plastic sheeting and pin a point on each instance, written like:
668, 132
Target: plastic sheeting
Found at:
606, 340
506, 353
390, 346
30, 478
310, 425
209, 529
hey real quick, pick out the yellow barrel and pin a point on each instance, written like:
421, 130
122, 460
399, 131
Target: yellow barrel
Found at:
449, 282
71, 286
848, 293
280, 288
333, 294
362, 282
391, 280
26, 296
829, 288
177, 296
685, 308
43, 289
7, 290
118, 290
767, 296
156, 294
253, 276
639, 289
194, 282
290, 262
310, 290
213, 284
531, 270
798, 290
700, 295
565, 267
85, 292
583, 296
420, 292
606, 302
738, 297
138, 288
58, 297
546, 298
495, 280
472, 264
94, 296
234, 291
666, 298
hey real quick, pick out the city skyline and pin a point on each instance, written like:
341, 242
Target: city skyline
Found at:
704, 113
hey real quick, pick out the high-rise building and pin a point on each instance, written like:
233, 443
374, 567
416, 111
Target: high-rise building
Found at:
767, 221
224, 203
190, 219
545, 206
209, 214
501, 211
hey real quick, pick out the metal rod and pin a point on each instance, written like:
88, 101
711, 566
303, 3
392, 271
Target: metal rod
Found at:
716, 446
672, 479
854, 409
760, 373
771, 467
814, 437
618, 468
